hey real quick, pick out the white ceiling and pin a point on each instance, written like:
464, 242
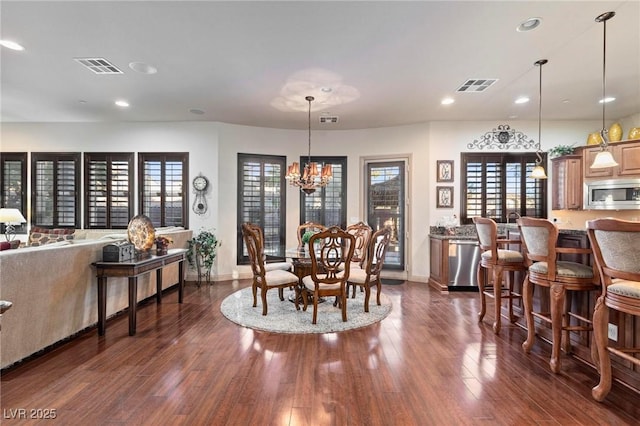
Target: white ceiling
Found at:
387, 63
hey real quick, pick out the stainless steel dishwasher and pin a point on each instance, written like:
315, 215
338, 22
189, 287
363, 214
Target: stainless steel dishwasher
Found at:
464, 256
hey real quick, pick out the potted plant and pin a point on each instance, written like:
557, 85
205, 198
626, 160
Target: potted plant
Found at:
202, 252
307, 236
560, 150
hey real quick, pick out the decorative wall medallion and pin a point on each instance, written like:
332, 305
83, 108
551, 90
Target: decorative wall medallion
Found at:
503, 137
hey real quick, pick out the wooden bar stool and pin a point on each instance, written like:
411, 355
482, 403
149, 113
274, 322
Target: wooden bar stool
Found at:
539, 239
496, 262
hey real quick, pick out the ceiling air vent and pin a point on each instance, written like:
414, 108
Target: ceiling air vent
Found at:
327, 119
475, 85
98, 65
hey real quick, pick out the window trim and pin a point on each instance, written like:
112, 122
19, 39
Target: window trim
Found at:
504, 157
341, 160
109, 157
164, 157
262, 158
37, 157
22, 158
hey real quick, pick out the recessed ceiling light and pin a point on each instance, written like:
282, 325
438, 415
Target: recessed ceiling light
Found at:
529, 24
522, 100
11, 45
122, 103
82, 102
326, 89
606, 100
143, 68
196, 111
447, 101
513, 116
565, 101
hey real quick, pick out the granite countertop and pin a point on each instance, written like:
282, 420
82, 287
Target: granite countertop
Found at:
468, 232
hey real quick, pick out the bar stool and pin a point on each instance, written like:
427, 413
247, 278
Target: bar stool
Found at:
539, 239
496, 262
616, 247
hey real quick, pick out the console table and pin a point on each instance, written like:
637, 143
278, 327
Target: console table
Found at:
132, 270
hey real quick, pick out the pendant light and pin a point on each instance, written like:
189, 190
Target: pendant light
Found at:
538, 171
311, 178
604, 159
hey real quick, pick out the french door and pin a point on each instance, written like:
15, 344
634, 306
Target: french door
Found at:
385, 203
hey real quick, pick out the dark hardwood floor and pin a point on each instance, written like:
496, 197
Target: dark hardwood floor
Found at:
428, 363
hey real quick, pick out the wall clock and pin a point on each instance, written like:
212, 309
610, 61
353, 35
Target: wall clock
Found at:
200, 185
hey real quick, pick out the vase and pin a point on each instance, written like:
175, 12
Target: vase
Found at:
615, 132
634, 133
594, 138
161, 249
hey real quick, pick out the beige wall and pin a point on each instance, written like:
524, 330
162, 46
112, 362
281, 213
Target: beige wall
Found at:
213, 149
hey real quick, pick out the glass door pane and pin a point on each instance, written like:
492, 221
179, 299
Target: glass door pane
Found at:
385, 206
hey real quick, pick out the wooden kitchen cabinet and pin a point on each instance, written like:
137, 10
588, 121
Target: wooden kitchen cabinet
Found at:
566, 184
626, 154
439, 264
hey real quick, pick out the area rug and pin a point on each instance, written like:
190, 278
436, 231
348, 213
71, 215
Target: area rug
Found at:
282, 316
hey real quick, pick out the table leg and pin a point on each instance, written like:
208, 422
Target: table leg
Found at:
102, 305
133, 302
159, 285
180, 280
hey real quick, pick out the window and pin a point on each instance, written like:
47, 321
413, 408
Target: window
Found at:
262, 201
162, 180
55, 183
108, 186
497, 186
327, 205
13, 190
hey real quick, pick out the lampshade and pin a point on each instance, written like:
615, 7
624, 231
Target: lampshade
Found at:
11, 216
538, 173
603, 160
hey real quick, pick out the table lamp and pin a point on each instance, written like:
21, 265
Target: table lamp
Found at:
9, 217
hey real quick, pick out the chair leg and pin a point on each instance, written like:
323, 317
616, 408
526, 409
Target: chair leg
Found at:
305, 299
600, 321
281, 293
566, 322
497, 293
263, 295
343, 298
481, 285
558, 294
379, 290
527, 299
367, 295
254, 289
315, 306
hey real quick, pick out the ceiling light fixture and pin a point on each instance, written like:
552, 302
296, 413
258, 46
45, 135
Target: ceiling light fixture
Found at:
529, 24
538, 171
522, 100
604, 159
311, 179
606, 100
447, 101
11, 45
122, 103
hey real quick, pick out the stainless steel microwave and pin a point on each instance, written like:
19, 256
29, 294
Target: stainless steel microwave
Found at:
612, 194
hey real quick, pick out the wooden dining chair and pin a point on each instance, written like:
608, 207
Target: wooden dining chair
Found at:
308, 227
328, 272
269, 265
539, 240
497, 261
616, 248
263, 279
362, 233
370, 275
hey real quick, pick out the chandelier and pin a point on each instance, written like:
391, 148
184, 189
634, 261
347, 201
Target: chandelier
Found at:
311, 178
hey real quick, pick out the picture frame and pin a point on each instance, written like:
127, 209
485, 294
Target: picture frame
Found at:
444, 197
444, 170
